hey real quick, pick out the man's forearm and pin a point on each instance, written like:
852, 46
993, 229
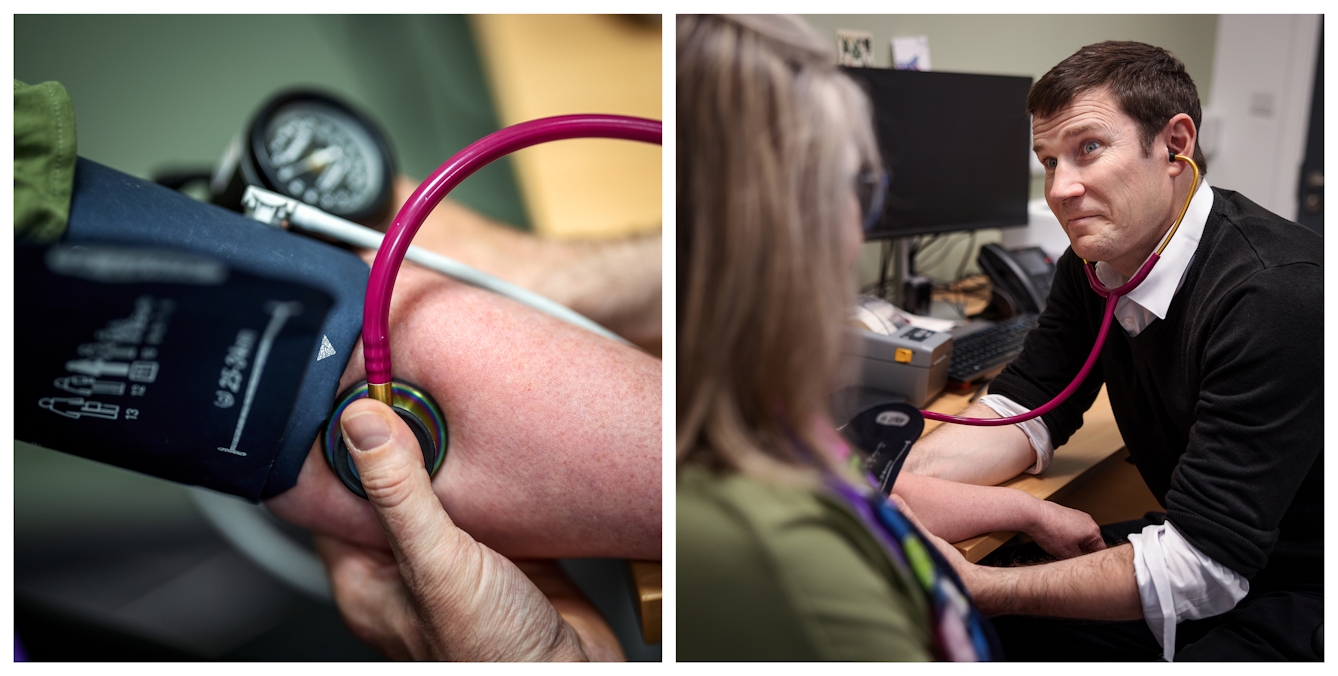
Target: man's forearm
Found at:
975, 455
615, 282
1100, 586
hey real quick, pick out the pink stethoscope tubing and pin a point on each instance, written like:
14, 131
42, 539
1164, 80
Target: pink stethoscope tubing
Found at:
376, 308
1112, 296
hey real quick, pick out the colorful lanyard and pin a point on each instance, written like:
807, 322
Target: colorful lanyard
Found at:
961, 633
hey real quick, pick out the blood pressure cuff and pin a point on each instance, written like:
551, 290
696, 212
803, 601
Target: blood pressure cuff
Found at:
179, 339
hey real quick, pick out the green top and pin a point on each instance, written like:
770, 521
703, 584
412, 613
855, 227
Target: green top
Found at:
768, 572
44, 155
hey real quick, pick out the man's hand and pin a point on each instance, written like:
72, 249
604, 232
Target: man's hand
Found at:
1098, 586
1064, 532
442, 595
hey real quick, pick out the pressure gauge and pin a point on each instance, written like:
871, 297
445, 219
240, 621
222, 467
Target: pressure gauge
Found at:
315, 148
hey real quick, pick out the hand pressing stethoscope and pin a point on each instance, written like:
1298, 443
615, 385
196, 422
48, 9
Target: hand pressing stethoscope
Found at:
412, 404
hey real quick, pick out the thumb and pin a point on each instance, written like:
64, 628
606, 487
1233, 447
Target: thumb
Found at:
390, 465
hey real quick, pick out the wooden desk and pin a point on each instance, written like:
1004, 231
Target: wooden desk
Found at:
1090, 452
647, 596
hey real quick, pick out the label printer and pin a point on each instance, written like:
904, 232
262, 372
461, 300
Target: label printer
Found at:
889, 354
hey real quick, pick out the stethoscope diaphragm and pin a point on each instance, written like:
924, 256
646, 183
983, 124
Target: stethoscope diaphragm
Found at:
413, 405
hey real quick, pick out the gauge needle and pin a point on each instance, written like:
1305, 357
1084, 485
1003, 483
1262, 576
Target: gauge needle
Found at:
331, 178
316, 161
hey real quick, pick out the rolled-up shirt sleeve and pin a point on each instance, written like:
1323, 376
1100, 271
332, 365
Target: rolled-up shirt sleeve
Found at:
1035, 429
1177, 582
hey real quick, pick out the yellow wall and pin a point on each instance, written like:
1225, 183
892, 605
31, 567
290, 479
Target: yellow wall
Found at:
540, 66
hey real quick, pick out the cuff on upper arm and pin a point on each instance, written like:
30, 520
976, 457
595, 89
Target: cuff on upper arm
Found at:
1177, 582
1037, 433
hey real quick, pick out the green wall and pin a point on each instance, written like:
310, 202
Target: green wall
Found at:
156, 91
152, 92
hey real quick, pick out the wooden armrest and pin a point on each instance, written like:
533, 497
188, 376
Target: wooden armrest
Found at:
646, 597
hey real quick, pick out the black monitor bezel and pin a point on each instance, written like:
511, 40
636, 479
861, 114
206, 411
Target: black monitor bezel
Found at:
1018, 217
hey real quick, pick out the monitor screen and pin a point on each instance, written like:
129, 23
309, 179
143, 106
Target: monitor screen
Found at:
955, 146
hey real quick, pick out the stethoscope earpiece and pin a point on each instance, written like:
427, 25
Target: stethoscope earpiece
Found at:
413, 405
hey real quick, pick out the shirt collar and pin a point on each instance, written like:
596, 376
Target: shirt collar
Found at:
1159, 287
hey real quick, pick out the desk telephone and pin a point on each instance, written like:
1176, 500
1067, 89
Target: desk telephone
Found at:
1020, 280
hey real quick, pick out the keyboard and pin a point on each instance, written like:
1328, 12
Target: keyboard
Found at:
984, 353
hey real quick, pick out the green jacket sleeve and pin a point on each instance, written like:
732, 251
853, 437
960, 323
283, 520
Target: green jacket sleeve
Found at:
774, 573
44, 156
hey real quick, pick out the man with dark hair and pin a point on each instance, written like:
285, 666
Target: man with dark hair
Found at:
1214, 377
1148, 83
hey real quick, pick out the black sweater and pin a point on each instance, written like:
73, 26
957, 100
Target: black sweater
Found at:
1221, 403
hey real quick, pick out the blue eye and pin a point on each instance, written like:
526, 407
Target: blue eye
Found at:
1050, 163
1090, 146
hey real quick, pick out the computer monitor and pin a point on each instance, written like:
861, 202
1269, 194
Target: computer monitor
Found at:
955, 146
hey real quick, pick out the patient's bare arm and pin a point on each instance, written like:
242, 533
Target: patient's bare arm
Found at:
555, 433
984, 456
956, 511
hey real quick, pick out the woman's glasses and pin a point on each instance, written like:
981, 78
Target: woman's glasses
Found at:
870, 190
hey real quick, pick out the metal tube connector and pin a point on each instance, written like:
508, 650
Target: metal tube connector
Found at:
380, 392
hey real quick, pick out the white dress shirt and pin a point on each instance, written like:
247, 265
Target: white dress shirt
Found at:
1175, 580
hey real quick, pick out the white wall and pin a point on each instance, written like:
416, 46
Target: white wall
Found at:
1255, 124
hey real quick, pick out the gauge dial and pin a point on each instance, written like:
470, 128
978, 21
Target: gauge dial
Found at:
318, 149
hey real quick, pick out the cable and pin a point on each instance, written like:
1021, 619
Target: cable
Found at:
883, 260
275, 209
945, 250
376, 308
966, 256
250, 528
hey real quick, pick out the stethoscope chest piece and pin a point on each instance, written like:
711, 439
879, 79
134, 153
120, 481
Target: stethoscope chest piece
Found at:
413, 405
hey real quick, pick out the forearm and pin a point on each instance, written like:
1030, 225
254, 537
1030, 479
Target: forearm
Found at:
956, 511
1100, 586
615, 282
975, 455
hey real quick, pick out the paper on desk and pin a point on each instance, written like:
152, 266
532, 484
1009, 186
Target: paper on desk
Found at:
930, 323
872, 313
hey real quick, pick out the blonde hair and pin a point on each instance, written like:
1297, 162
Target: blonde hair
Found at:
766, 130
